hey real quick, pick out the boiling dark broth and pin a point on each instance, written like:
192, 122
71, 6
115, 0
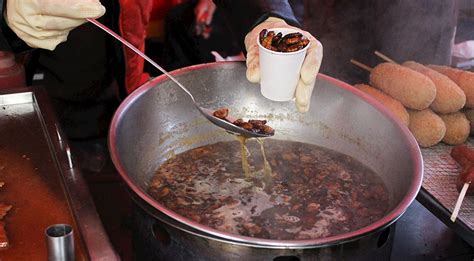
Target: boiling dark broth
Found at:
313, 192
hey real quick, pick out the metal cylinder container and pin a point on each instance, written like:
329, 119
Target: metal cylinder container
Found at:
60, 241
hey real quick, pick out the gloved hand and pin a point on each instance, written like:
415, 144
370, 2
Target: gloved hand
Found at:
46, 23
308, 72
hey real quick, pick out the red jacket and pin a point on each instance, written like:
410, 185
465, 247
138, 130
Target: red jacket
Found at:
134, 18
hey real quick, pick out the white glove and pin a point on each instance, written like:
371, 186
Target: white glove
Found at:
46, 23
309, 70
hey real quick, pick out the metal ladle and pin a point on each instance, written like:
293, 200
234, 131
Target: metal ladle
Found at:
204, 111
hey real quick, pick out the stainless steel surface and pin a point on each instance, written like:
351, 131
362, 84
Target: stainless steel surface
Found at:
65, 146
41, 139
208, 113
60, 240
421, 236
441, 172
341, 118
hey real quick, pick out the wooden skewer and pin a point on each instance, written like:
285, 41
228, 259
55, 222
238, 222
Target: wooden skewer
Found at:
384, 57
361, 65
459, 201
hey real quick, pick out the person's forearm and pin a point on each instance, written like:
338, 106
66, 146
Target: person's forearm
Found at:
246, 14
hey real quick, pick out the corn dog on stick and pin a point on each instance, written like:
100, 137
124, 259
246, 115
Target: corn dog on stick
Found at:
457, 128
464, 79
470, 116
427, 127
449, 98
393, 105
413, 89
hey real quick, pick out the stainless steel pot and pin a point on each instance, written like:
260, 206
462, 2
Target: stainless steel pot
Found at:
158, 121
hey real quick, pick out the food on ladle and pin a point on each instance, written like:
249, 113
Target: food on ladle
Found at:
291, 42
457, 128
413, 89
314, 192
257, 126
427, 127
221, 113
393, 105
449, 98
464, 79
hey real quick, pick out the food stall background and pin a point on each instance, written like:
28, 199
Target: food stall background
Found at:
354, 29
347, 29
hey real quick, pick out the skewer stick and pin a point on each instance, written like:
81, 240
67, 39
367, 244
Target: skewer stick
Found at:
384, 57
361, 65
459, 201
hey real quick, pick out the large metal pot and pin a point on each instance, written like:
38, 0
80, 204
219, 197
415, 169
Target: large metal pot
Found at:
158, 120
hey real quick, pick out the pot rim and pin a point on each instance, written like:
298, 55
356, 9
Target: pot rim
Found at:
389, 218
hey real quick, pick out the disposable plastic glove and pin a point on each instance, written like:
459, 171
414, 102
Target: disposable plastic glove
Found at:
309, 69
47, 23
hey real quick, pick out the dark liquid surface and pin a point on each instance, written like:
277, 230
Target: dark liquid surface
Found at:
312, 193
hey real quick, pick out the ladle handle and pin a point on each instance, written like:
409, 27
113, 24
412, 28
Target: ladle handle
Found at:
129, 45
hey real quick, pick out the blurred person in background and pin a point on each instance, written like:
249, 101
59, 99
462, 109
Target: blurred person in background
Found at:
195, 29
197, 32
87, 72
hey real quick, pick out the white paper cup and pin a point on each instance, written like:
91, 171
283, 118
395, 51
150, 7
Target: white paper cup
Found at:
280, 72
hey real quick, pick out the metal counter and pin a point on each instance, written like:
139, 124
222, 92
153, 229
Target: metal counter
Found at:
29, 127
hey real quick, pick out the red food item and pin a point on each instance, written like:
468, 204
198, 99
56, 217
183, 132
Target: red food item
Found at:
3, 237
291, 42
4, 208
257, 126
465, 157
221, 113
466, 176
